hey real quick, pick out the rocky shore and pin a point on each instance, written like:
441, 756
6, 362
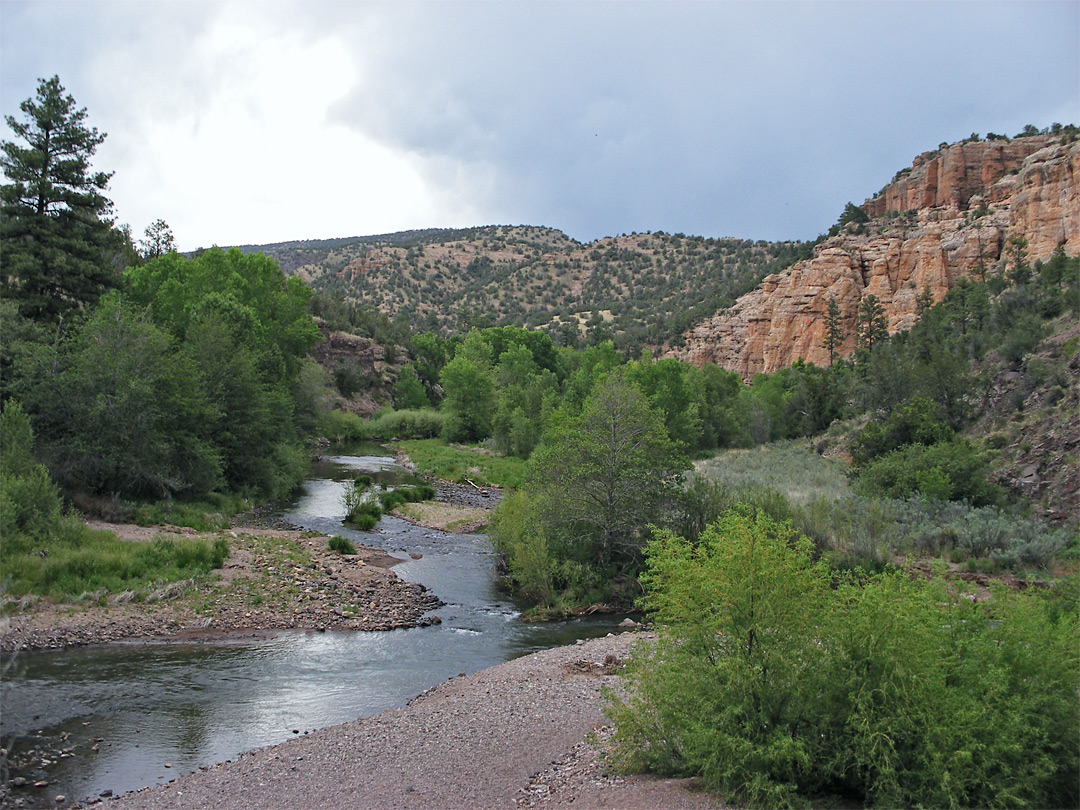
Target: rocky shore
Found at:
516, 735
274, 579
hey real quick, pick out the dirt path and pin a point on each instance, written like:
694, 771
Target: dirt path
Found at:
507, 737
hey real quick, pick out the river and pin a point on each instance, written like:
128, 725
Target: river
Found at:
130, 715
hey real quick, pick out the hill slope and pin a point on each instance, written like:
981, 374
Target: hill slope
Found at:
639, 290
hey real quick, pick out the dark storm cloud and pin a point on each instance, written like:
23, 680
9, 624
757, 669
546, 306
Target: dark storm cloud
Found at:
750, 119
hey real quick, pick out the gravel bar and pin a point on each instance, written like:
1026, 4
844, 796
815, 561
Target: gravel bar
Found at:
510, 736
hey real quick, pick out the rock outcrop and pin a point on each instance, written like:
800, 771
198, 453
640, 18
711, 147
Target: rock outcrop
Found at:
363, 363
951, 215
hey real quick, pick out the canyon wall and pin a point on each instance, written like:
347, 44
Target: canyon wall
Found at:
952, 214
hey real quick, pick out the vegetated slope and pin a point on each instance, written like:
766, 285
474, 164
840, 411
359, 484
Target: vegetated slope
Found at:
640, 289
955, 213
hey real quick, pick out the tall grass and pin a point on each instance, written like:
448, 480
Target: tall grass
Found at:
78, 562
789, 467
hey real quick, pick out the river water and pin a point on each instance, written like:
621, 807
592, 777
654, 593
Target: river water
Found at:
132, 715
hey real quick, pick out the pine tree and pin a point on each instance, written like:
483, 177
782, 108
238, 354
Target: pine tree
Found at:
871, 324
834, 330
58, 243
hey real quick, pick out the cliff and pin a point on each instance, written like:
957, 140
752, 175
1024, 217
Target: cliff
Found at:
951, 215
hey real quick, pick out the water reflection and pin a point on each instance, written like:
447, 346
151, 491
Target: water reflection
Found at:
128, 710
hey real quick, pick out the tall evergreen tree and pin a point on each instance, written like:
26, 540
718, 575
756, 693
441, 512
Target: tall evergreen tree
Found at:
834, 330
58, 242
872, 326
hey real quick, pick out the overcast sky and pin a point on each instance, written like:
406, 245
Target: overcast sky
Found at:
257, 122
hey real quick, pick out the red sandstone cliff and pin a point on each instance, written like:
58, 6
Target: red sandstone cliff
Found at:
951, 214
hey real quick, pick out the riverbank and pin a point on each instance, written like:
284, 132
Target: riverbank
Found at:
510, 736
274, 579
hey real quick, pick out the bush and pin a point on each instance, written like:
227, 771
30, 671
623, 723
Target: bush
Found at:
954, 471
517, 534
915, 422
342, 545
365, 516
775, 687
343, 426
422, 424
393, 498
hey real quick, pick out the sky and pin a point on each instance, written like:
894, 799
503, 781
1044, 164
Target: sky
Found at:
260, 122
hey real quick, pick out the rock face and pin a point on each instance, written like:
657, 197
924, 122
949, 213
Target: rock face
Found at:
951, 215
363, 359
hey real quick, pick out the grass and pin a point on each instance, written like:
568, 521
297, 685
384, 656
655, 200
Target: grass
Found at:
789, 467
342, 545
78, 563
434, 457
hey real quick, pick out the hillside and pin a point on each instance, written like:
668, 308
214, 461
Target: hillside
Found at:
951, 215
639, 290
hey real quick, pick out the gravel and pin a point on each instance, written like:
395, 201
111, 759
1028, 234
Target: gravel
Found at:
507, 737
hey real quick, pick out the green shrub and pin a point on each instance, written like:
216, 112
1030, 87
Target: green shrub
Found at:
393, 498
365, 515
953, 470
517, 534
917, 421
422, 424
776, 686
342, 545
343, 426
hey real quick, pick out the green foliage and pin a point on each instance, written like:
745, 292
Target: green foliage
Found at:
48, 553
76, 563
194, 379
916, 421
409, 393
776, 686
517, 534
721, 694
955, 471
851, 213
342, 545
362, 509
122, 411
870, 324
364, 516
470, 400
393, 498
423, 424
605, 474
834, 330
30, 504
204, 516
58, 242
436, 459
